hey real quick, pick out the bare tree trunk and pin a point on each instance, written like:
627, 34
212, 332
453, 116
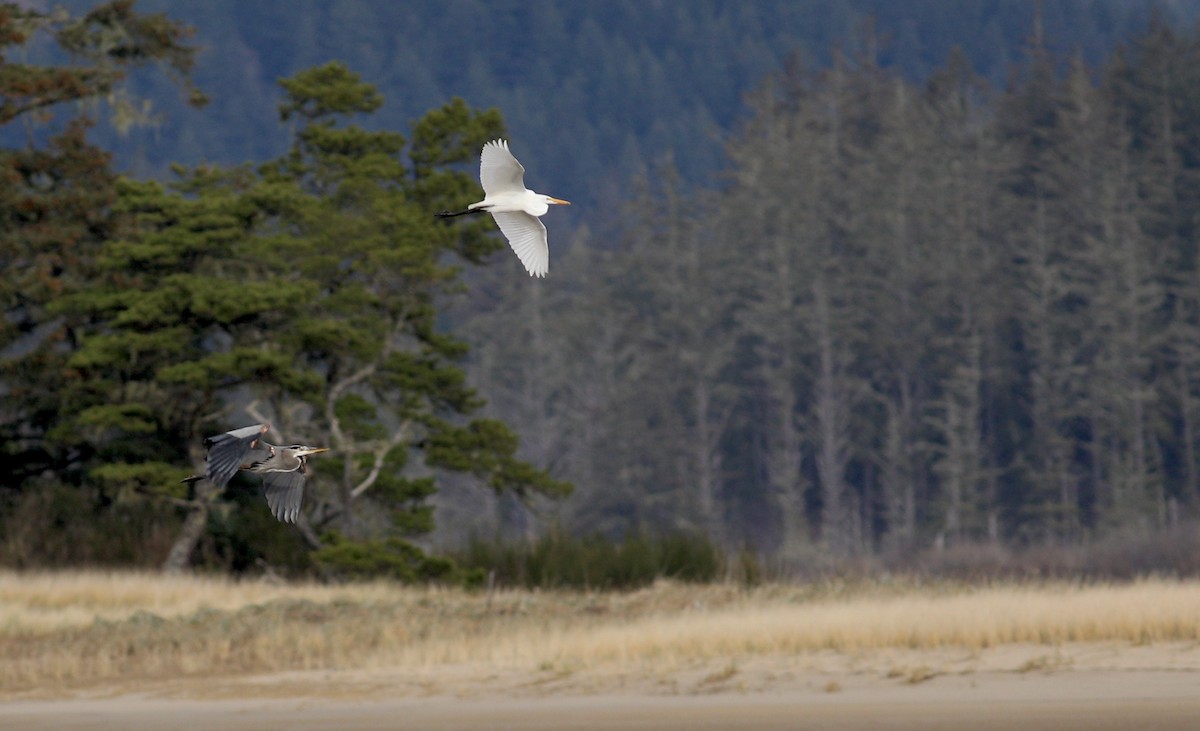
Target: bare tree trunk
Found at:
783, 463
831, 414
206, 493
705, 485
900, 478
180, 555
515, 516
1186, 416
307, 532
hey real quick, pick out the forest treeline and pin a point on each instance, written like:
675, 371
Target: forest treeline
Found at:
918, 314
601, 87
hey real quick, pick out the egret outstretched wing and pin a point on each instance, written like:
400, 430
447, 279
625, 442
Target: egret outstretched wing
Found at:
499, 171
527, 236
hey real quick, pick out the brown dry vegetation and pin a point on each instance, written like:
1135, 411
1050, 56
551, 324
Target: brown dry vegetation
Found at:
62, 630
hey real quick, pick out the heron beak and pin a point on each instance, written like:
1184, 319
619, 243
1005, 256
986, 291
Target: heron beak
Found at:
311, 450
559, 201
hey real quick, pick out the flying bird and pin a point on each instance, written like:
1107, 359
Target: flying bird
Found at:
515, 207
283, 469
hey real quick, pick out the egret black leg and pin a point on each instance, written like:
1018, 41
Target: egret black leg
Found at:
448, 214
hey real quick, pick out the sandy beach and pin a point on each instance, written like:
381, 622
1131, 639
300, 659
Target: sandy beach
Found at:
1102, 686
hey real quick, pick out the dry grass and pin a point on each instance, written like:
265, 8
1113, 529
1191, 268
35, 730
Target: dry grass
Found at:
37, 603
72, 629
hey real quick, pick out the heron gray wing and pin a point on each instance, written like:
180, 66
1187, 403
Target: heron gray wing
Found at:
499, 171
285, 492
227, 452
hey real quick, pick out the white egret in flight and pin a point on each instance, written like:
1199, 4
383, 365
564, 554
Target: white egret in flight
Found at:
515, 207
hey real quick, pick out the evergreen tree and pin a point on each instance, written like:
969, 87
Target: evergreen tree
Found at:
309, 288
58, 198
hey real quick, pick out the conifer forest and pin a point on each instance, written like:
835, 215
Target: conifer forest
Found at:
844, 281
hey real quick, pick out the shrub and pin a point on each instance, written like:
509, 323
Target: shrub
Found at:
392, 558
561, 560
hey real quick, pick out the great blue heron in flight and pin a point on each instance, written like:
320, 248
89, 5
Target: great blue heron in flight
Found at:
283, 469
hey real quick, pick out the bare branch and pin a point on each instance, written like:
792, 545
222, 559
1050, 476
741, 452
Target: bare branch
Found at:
335, 425
307, 532
380, 453
213, 416
345, 383
253, 413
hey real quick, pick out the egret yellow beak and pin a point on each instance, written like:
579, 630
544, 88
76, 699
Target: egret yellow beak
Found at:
559, 201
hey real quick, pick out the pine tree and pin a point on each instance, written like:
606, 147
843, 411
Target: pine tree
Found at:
303, 293
58, 197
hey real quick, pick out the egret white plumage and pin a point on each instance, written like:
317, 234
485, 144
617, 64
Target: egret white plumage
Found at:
515, 207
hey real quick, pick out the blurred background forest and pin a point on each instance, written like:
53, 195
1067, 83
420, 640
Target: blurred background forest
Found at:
846, 282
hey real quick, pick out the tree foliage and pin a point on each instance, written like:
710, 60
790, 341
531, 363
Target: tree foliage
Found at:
59, 198
314, 291
304, 291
